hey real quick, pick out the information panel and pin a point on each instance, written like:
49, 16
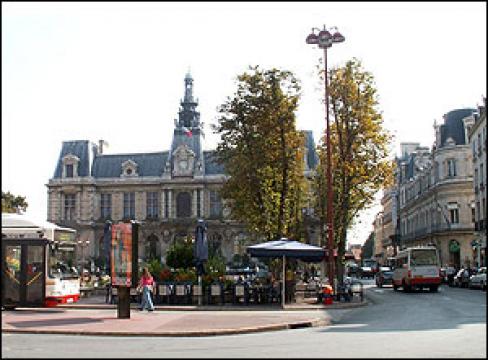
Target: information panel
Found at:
124, 254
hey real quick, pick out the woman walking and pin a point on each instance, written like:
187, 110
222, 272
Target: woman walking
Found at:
146, 284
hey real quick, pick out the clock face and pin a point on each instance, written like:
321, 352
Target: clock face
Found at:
183, 164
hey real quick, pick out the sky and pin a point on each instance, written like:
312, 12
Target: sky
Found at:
114, 71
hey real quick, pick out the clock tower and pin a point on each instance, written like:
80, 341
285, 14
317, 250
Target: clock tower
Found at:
186, 154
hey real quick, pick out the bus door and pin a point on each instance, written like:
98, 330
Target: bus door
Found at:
23, 272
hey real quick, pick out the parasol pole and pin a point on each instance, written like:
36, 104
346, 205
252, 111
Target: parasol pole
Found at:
283, 284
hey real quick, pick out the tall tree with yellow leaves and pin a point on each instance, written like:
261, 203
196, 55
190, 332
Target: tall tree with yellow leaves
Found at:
359, 144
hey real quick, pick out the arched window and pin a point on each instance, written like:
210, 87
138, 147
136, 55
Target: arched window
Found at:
152, 249
183, 205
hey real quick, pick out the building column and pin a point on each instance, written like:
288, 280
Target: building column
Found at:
194, 203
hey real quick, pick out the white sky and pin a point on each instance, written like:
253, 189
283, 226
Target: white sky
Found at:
114, 71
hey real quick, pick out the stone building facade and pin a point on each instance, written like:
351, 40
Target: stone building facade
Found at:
477, 140
165, 191
435, 192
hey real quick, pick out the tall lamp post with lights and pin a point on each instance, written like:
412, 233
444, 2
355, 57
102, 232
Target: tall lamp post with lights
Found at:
324, 39
83, 244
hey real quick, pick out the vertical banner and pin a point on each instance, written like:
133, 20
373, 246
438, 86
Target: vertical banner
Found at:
124, 254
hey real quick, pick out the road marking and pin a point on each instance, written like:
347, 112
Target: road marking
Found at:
379, 290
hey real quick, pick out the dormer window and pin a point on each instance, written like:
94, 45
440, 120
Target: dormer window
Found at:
69, 170
450, 142
129, 168
70, 166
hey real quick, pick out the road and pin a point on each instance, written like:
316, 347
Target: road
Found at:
447, 324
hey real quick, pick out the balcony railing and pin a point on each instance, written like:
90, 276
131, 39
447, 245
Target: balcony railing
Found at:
434, 229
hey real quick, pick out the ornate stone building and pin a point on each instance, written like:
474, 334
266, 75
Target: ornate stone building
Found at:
435, 192
477, 140
166, 191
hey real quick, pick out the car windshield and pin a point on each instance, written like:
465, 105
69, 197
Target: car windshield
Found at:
423, 257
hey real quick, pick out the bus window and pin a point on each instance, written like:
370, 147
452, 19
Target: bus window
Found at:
61, 259
423, 258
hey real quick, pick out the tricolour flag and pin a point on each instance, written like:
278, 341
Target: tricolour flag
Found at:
187, 131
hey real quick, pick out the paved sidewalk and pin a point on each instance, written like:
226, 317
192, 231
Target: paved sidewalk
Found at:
91, 316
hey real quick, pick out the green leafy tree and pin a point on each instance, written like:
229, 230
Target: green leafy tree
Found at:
12, 203
359, 151
180, 255
260, 149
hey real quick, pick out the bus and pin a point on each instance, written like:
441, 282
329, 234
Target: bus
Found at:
417, 267
38, 263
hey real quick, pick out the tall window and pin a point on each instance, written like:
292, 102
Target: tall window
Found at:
183, 205
69, 207
166, 205
482, 174
451, 167
198, 203
152, 205
106, 206
453, 213
69, 170
215, 204
129, 205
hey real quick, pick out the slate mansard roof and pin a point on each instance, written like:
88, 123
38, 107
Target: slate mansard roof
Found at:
110, 166
78, 148
148, 164
453, 126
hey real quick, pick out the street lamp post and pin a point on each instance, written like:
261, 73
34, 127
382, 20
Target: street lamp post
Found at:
324, 40
83, 244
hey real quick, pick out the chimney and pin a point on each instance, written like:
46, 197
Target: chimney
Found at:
100, 146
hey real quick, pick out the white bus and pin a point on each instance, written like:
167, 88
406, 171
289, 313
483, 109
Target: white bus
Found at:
417, 267
37, 263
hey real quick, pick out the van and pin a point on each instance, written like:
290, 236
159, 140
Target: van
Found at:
417, 267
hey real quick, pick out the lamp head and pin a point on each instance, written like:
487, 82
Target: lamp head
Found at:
337, 37
325, 38
312, 39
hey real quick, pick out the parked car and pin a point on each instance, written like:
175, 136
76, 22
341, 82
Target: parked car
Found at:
461, 279
352, 270
478, 280
384, 276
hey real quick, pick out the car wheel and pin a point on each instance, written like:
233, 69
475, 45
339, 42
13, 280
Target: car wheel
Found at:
380, 284
433, 288
395, 287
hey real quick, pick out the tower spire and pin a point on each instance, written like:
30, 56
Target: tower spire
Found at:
188, 88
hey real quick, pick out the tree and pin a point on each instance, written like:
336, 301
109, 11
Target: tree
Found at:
12, 203
180, 255
359, 156
261, 151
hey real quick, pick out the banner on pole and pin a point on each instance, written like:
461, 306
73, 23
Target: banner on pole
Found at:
123, 259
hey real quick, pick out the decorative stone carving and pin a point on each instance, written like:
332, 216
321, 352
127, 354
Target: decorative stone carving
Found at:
129, 169
183, 161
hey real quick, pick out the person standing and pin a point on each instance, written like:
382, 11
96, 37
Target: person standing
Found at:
146, 284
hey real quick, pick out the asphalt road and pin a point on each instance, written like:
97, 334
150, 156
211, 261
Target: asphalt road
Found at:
447, 324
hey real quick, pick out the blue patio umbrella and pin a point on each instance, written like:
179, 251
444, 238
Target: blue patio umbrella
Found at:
200, 249
284, 248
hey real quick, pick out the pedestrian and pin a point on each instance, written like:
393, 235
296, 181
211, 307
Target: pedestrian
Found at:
146, 285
